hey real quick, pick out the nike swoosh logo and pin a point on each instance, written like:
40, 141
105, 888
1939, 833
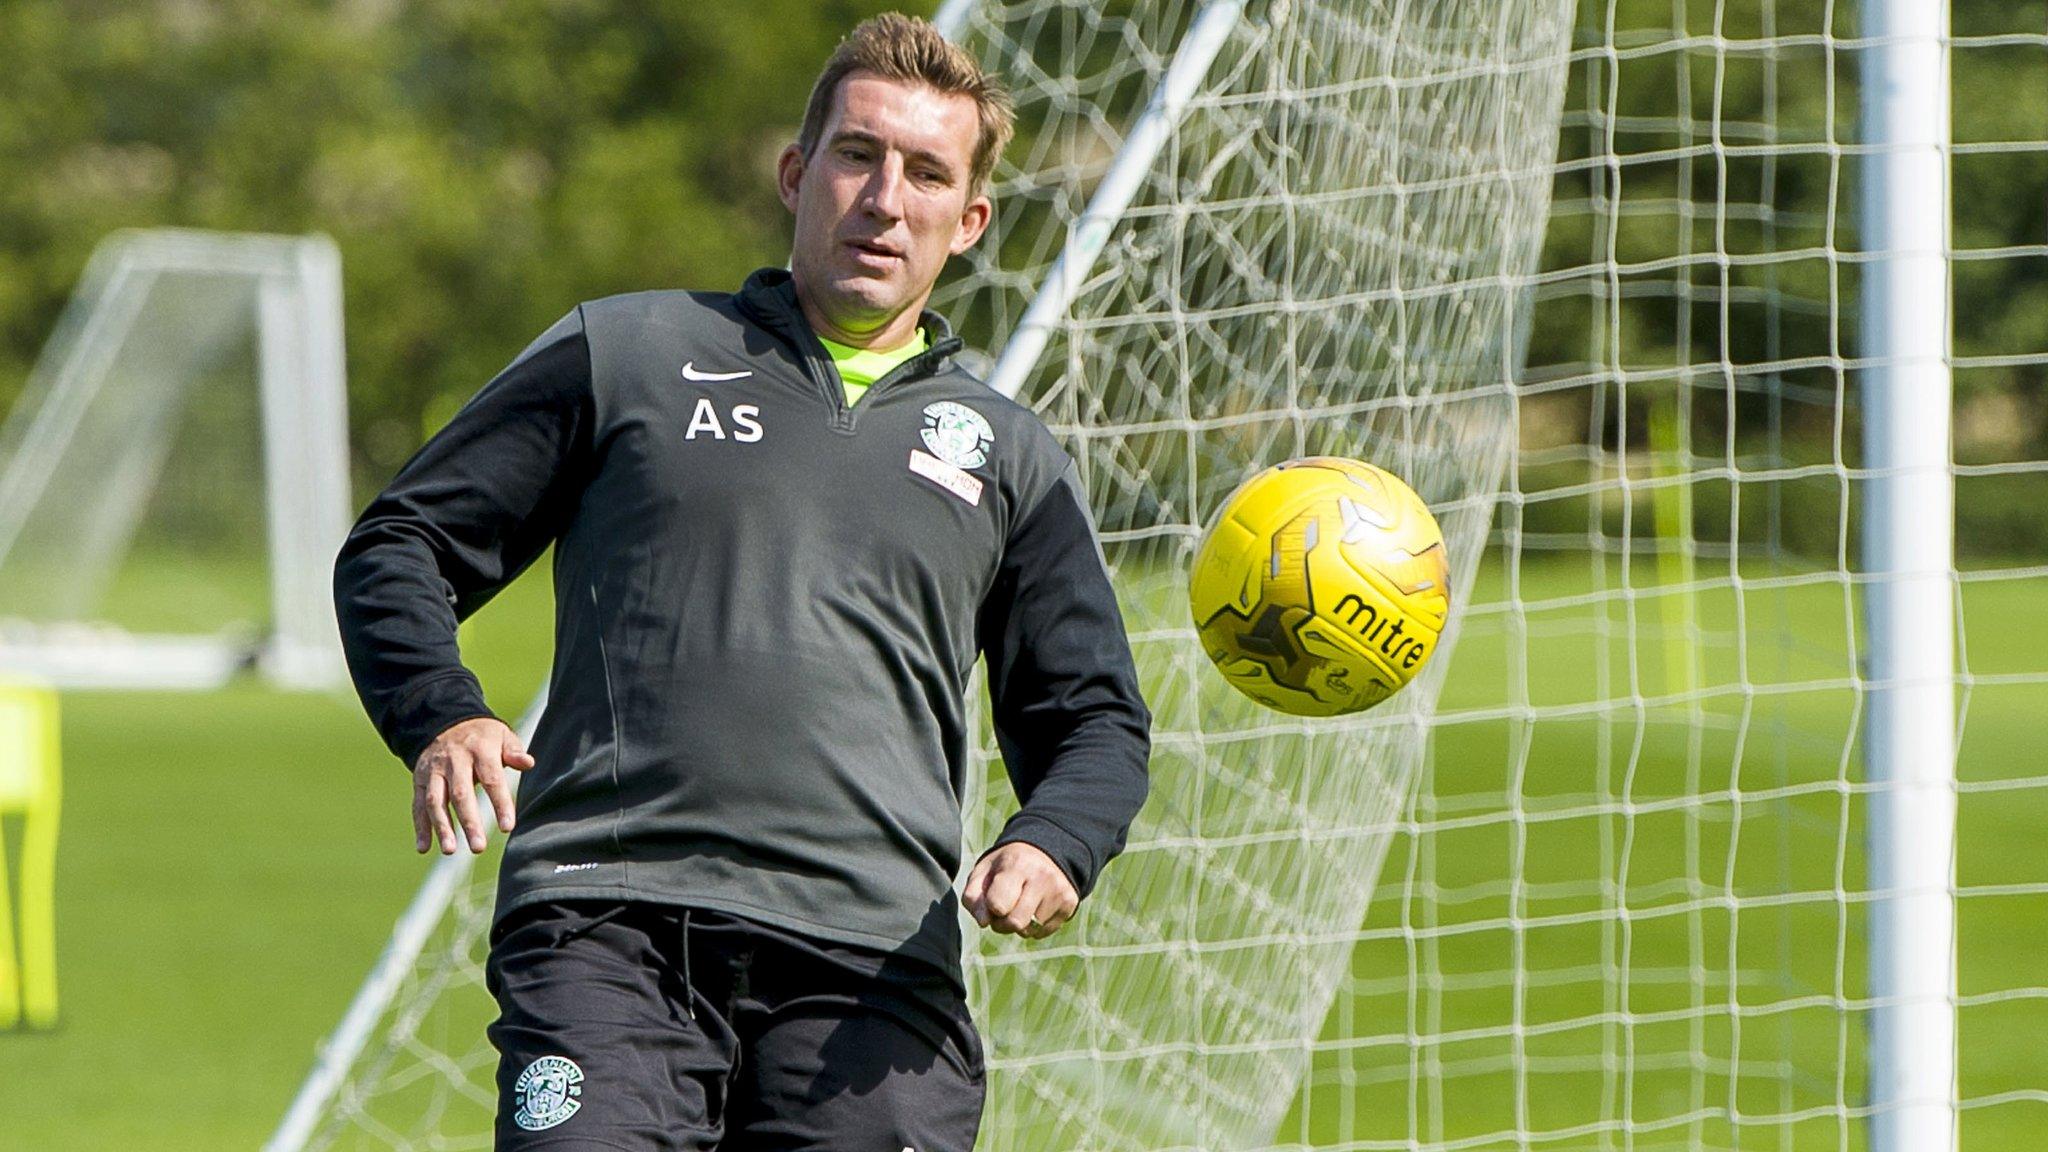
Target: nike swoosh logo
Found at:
690, 373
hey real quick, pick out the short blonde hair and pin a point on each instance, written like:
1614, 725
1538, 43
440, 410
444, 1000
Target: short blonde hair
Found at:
907, 48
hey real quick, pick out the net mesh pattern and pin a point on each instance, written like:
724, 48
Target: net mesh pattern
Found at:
1329, 256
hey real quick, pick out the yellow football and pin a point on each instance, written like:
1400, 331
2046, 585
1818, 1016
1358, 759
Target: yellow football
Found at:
1321, 587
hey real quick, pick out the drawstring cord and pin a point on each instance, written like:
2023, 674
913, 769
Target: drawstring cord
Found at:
588, 926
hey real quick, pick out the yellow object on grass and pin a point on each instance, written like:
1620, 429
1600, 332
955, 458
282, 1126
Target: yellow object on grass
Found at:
29, 786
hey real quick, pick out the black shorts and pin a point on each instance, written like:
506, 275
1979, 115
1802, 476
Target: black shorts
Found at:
638, 1027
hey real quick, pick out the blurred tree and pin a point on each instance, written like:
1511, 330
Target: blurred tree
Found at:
483, 166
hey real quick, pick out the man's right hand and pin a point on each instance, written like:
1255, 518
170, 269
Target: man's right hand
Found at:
472, 753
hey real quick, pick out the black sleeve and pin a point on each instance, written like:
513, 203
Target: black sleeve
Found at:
1074, 732
467, 514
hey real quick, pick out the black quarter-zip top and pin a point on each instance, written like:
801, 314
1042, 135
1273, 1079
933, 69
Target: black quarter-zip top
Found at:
769, 603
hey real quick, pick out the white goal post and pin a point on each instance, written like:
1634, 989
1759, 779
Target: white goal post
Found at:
194, 383
1709, 831
1909, 553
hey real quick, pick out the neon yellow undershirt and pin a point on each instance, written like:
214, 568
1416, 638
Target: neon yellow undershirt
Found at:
860, 367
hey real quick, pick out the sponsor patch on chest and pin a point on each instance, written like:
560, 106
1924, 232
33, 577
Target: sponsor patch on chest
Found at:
957, 434
951, 477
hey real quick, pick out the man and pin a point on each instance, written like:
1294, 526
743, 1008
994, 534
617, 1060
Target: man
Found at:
785, 523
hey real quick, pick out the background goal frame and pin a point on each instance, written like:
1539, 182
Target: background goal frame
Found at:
291, 286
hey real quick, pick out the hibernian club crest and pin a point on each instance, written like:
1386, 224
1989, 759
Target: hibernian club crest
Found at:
957, 434
547, 1093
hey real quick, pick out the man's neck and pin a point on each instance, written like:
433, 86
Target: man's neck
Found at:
898, 331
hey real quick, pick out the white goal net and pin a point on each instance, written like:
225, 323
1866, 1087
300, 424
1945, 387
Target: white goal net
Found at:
1595, 279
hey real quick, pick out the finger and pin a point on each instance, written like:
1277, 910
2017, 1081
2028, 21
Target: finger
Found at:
515, 754
437, 811
1007, 902
1004, 887
498, 786
1054, 910
462, 794
974, 896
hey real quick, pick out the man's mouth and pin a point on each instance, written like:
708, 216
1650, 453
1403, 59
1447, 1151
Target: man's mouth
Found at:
875, 249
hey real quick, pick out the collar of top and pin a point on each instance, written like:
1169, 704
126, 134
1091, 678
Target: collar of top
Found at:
769, 299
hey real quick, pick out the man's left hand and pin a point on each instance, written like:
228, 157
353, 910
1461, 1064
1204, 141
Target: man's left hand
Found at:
1018, 890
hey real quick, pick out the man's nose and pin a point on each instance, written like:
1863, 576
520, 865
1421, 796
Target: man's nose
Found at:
885, 189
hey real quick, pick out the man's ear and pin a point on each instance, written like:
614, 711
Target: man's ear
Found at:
973, 222
789, 173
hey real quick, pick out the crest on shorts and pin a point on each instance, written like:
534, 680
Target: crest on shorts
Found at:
547, 1093
957, 434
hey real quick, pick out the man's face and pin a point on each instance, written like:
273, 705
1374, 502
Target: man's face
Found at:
880, 205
